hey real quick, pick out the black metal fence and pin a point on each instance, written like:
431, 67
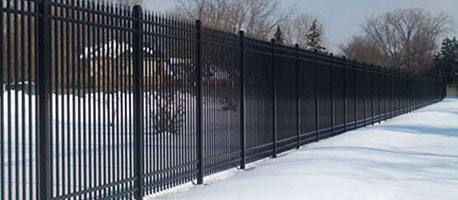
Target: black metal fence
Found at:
101, 102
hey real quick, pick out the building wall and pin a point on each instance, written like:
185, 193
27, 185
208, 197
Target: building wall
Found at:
154, 78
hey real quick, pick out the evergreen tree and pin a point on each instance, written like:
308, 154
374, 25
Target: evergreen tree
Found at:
446, 61
279, 37
314, 37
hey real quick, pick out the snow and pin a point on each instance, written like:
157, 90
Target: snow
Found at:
413, 156
20, 141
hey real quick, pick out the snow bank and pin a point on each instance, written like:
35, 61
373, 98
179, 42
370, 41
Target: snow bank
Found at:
413, 156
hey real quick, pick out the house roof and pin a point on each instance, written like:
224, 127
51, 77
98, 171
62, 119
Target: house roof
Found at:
177, 61
111, 49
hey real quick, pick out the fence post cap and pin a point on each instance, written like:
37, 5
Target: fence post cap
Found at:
137, 10
137, 6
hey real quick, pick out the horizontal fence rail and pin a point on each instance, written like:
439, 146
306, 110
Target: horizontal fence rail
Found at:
101, 101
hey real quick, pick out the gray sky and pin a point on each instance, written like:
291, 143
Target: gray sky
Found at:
342, 18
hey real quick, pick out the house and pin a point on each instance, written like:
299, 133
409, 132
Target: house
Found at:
114, 58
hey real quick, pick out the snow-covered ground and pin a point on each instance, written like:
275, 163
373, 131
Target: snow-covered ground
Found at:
92, 136
413, 156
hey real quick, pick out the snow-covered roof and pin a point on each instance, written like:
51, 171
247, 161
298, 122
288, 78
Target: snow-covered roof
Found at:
176, 61
171, 63
111, 49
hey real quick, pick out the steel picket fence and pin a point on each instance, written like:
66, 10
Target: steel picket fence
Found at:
101, 101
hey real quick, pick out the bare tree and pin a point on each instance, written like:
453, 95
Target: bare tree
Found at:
363, 49
409, 37
297, 28
258, 18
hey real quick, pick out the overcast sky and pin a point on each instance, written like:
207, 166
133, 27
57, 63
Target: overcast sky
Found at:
342, 18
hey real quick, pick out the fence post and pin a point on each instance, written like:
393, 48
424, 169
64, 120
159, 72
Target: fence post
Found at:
416, 85
398, 92
365, 94
379, 96
443, 88
372, 93
138, 100
392, 100
412, 85
298, 103
274, 100
401, 93
385, 95
345, 93
436, 80
355, 85
406, 93
44, 156
407, 99
317, 99
404, 99
389, 81
332, 96
200, 155
411, 94
242, 101
396, 88
414, 97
